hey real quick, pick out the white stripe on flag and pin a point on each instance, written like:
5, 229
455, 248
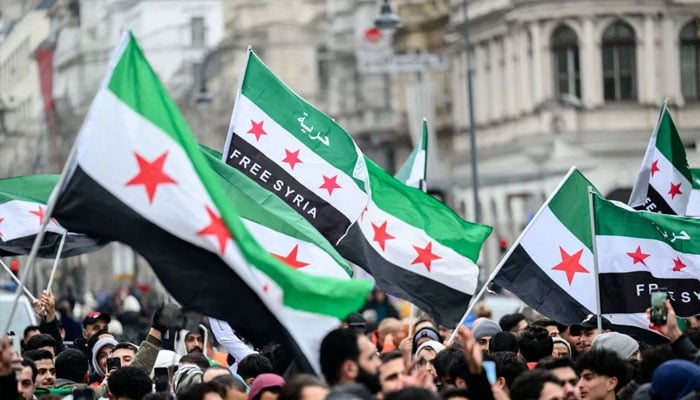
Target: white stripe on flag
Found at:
662, 180
613, 257
22, 218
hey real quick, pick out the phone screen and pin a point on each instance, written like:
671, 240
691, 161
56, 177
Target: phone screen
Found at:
161, 379
658, 307
83, 394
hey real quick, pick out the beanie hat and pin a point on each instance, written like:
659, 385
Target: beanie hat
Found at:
485, 328
623, 345
105, 341
431, 344
425, 332
674, 379
262, 382
186, 376
568, 346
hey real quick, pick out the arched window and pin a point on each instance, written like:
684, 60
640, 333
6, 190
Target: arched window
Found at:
567, 76
690, 62
619, 66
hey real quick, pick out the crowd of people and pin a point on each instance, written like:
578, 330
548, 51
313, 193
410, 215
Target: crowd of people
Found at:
512, 358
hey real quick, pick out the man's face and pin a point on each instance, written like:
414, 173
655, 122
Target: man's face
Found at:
574, 340
568, 377
595, 387
392, 375
313, 393
551, 391
553, 330
126, 356
560, 350
368, 360
102, 356
46, 373
194, 342
25, 384
427, 356
518, 329
93, 328
587, 336
483, 343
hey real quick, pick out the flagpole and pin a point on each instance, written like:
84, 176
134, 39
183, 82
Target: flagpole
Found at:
17, 281
54, 267
484, 288
591, 211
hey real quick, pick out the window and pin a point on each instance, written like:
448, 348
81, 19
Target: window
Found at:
567, 78
690, 62
197, 27
619, 62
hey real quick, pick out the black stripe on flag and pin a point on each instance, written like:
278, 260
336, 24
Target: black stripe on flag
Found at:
522, 276
75, 245
257, 166
197, 278
655, 203
629, 292
445, 304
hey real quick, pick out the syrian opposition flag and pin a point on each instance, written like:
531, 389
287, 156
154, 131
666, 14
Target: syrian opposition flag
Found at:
412, 172
693, 209
664, 181
137, 175
416, 248
296, 152
22, 212
641, 251
276, 226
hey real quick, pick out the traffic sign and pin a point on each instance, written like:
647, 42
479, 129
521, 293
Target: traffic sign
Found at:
383, 63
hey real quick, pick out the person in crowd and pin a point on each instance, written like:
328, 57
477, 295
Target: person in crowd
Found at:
348, 357
101, 351
514, 323
303, 387
602, 374
9, 363
680, 343
451, 367
71, 327
389, 334
625, 347
195, 358
187, 376
129, 383
562, 348
266, 387
563, 368
535, 343
483, 333
213, 371
426, 355
231, 387
194, 341
508, 367
392, 372
379, 302
42, 341
587, 330
503, 341
235, 347
674, 380
29, 332
550, 325
125, 352
45, 367
26, 379
252, 366
411, 393
537, 384
93, 323
72, 370
424, 331
574, 341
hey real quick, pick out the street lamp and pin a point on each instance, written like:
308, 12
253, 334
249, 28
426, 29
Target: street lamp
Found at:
387, 19
472, 124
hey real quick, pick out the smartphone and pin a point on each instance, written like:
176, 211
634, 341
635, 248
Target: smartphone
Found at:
114, 363
15, 343
490, 368
83, 394
658, 307
161, 379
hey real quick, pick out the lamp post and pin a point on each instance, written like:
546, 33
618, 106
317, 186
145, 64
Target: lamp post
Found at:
472, 124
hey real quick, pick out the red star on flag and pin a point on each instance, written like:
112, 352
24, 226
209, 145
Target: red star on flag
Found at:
330, 184
425, 256
292, 158
654, 168
638, 256
675, 190
217, 228
151, 175
570, 263
678, 264
291, 258
380, 235
257, 129
39, 213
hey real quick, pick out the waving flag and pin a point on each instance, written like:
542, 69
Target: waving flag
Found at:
693, 209
412, 172
296, 152
138, 176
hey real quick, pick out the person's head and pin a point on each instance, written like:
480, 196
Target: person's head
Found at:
347, 357
652, 357
483, 333
45, 367
426, 354
602, 374
194, 341
674, 379
451, 367
95, 322
391, 326
125, 352
253, 365
513, 323
195, 358
424, 334
232, 387
537, 384
29, 331
71, 364
508, 367
551, 326
563, 368
503, 341
562, 348
303, 387
186, 377
213, 371
26, 379
587, 330
129, 383
42, 341
266, 387
392, 372
454, 393
625, 347
573, 340
100, 353
535, 343
411, 393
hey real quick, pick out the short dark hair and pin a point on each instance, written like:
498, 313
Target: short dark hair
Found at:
604, 362
503, 341
28, 362
508, 366
36, 355
411, 393
197, 359
253, 365
652, 357
338, 346
452, 391
451, 363
72, 364
510, 321
293, 388
126, 345
229, 382
530, 383
130, 382
535, 343
30, 328
550, 363
39, 341
390, 355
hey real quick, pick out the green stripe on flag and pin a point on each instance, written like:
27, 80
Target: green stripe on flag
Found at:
136, 84
669, 143
36, 188
570, 206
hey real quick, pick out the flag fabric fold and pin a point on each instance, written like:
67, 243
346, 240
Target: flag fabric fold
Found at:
138, 176
413, 171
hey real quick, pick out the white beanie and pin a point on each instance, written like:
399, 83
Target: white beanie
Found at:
620, 343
